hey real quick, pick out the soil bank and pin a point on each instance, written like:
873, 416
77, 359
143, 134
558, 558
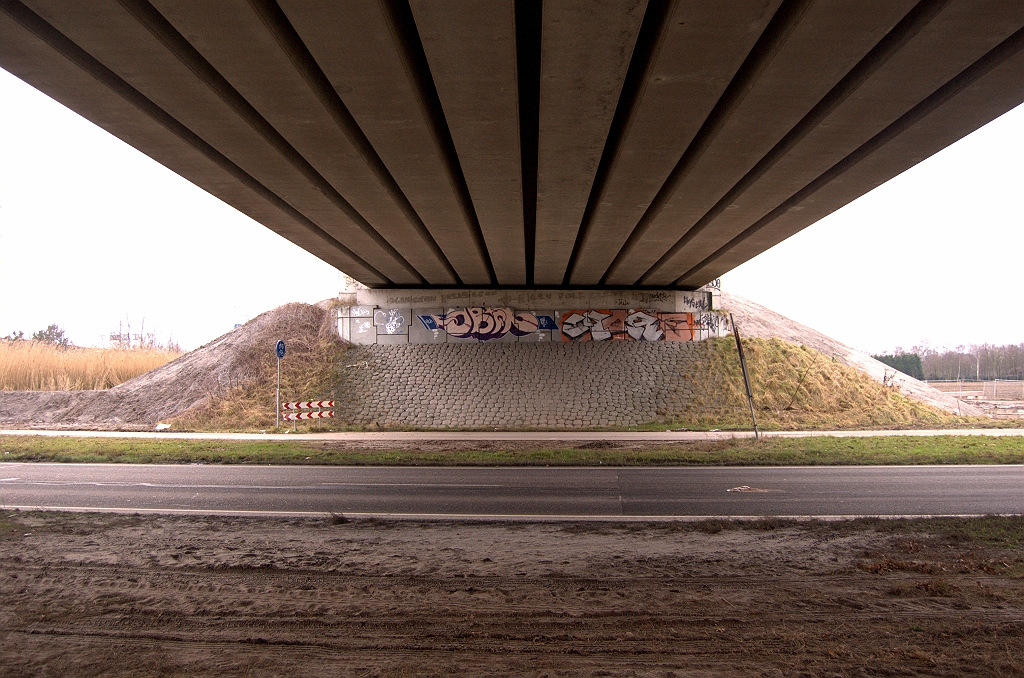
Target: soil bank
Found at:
117, 595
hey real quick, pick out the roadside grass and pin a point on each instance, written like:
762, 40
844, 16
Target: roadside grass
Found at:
991, 530
740, 452
1005, 531
37, 366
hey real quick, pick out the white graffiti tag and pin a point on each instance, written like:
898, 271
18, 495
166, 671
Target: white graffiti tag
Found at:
577, 324
390, 319
644, 326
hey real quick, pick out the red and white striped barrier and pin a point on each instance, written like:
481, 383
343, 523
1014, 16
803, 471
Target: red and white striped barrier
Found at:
307, 405
298, 416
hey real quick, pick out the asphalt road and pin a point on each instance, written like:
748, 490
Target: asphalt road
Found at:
518, 492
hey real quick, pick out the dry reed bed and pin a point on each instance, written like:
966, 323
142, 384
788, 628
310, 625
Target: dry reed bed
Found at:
35, 366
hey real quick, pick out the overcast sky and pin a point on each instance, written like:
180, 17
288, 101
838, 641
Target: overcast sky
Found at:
94, 234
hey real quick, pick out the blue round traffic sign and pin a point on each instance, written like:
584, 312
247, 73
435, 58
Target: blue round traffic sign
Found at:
280, 348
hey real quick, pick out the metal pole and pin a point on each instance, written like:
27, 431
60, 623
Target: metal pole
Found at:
746, 376
277, 408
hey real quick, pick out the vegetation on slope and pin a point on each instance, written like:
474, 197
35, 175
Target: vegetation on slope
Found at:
797, 388
308, 372
794, 387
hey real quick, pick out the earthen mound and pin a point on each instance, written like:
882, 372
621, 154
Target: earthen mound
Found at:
235, 359
755, 320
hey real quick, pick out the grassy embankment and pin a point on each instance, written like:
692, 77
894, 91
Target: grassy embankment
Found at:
798, 388
740, 452
36, 366
794, 388
314, 367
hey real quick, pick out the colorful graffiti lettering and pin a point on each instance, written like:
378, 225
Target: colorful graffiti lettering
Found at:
490, 324
593, 325
432, 322
644, 326
525, 323
482, 324
638, 325
583, 325
487, 324
677, 326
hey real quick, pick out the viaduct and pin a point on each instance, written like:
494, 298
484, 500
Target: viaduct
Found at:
528, 143
549, 155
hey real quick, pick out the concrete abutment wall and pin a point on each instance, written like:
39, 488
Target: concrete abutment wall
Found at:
476, 358
520, 385
528, 316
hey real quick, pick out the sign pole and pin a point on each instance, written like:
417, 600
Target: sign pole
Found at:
746, 376
279, 349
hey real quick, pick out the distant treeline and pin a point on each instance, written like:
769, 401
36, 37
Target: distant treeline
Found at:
907, 363
983, 361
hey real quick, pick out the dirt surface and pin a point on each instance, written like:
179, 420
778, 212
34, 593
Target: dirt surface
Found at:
118, 595
1008, 405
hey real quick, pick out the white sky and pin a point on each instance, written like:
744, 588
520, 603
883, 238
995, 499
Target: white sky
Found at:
93, 233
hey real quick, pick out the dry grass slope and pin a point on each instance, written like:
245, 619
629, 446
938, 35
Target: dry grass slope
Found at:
35, 366
308, 371
796, 387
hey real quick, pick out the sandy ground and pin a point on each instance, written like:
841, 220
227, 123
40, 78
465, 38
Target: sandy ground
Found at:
117, 595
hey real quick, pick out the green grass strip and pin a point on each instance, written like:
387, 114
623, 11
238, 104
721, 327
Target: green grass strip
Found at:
743, 452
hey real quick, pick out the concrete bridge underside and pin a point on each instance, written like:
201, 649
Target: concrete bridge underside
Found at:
501, 143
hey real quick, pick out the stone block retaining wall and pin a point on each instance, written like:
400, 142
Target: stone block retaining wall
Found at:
512, 385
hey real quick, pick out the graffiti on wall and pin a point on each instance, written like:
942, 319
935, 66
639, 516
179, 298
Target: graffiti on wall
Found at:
389, 321
695, 302
714, 324
610, 324
487, 324
631, 324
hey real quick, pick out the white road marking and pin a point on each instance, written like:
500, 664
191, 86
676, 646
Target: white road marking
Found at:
492, 517
188, 486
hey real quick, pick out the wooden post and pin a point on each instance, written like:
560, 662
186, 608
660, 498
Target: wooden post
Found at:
746, 376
